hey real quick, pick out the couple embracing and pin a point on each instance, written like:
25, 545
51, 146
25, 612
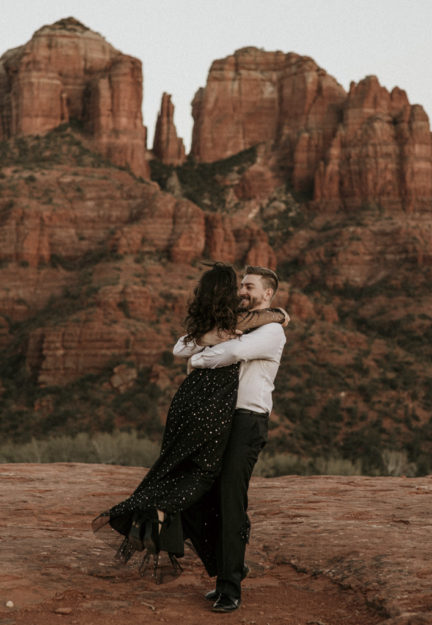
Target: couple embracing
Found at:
216, 426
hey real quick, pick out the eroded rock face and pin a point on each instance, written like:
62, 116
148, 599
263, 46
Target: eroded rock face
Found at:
68, 229
256, 96
167, 146
230, 240
381, 153
366, 147
68, 72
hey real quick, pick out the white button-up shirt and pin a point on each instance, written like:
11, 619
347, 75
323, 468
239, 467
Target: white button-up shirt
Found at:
258, 351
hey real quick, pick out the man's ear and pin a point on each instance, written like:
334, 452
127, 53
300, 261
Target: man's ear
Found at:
269, 295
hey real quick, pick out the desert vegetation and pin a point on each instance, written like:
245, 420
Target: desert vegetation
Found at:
130, 448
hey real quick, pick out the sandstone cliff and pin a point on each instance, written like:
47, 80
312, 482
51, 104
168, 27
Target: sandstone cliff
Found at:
344, 150
68, 72
255, 96
73, 227
381, 153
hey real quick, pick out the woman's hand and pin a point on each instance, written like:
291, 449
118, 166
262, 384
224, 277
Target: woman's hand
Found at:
287, 317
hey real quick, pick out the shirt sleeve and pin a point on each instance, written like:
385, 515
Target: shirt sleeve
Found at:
265, 343
255, 318
185, 350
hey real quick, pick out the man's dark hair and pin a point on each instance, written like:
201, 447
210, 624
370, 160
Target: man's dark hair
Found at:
269, 278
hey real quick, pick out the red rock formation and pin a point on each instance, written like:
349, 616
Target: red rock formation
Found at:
59, 218
255, 96
220, 239
367, 147
231, 241
256, 183
174, 226
106, 248
64, 215
166, 145
381, 153
88, 343
68, 72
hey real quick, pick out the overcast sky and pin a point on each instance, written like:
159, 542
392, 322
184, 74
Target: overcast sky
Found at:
178, 39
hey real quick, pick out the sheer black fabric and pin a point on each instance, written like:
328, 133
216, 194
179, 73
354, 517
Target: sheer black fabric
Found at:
196, 434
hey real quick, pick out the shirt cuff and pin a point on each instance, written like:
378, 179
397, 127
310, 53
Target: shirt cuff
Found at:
186, 350
197, 361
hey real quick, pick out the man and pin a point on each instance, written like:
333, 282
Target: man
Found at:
259, 353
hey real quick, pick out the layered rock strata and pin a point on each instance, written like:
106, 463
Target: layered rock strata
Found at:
369, 146
68, 72
254, 96
381, 153
80, 237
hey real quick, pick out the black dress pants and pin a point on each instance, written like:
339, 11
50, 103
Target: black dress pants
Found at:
248, 436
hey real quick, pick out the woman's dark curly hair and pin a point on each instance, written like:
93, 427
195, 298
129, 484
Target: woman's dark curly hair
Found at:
215, 302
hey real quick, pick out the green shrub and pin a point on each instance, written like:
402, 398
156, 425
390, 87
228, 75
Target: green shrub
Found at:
394, 463
125, 448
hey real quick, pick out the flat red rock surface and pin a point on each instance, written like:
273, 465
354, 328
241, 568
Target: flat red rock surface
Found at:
323, 551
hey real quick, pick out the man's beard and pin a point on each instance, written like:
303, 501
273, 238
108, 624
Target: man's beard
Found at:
248, 303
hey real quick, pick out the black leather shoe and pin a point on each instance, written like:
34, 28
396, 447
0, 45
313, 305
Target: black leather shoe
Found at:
212, 595
225, 603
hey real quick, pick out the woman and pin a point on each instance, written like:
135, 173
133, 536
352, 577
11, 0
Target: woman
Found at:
196, 432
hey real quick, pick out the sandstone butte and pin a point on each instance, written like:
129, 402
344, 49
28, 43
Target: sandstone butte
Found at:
343, 149
368, 146
323, 551
67, 72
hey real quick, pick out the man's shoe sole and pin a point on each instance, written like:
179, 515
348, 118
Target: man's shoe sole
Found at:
225, 609
228, 607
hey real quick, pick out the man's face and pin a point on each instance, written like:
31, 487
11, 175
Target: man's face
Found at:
253, 294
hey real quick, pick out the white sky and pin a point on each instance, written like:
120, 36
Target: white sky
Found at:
178, 39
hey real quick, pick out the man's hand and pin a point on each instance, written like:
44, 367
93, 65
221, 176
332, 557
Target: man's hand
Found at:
216, 336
